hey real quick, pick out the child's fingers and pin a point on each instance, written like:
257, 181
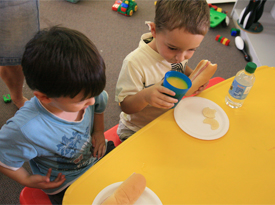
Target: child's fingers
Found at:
49, 172
55, 183
202, 88
99, 154
103, 149
99, 151
170, 105
95, 151
160, 103
59, 177
166, 91
48, 175
168, 99
165, 95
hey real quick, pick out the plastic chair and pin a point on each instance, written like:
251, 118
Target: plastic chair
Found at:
111, 135
33, 196
214, 81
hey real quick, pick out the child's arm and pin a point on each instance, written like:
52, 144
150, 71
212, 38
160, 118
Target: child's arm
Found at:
34, 181
153, 95
98, 139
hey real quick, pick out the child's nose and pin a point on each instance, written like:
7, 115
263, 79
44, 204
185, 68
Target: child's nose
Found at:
181, 56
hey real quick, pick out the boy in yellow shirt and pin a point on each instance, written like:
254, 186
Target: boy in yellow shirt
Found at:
178, 29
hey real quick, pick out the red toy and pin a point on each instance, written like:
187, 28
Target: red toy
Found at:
223, 40
125, 7
217, 8
116, 5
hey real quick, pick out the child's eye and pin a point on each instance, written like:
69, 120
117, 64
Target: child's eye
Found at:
173, 49
192, 49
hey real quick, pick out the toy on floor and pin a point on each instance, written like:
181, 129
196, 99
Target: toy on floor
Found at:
217, 18
218, 9
235, 31
125, 7
223, 40
116, 5
241, 46
7, 98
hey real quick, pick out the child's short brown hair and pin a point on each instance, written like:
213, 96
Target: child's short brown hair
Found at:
191, 15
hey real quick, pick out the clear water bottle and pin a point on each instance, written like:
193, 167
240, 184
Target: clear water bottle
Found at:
241, 86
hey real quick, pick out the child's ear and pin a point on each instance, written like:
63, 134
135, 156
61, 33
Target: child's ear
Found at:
42, 97
153, 29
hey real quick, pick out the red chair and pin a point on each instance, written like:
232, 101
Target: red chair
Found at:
33, 196
214, 81
111, 135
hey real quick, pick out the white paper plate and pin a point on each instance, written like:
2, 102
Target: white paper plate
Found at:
147, 197
189, 117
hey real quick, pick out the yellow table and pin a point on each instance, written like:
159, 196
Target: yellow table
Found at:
238, 168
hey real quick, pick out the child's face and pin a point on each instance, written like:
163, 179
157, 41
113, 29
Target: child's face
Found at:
175, 46
75, 104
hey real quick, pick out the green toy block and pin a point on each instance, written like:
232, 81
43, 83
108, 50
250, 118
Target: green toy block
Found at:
236, 30
7, 98
216, 18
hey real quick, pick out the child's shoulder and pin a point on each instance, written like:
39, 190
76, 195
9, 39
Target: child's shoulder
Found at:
26, 113
143, 51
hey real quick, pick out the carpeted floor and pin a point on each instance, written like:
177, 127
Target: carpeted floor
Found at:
115, 36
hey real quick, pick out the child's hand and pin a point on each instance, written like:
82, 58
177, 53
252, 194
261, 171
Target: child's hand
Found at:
43, 182
155, 96
201, 88
98, 143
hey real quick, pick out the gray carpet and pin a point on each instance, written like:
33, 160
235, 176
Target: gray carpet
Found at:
115, 36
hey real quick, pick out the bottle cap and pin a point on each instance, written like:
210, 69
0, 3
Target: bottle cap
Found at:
250, 67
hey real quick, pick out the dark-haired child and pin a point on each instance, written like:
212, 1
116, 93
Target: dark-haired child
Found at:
60, 131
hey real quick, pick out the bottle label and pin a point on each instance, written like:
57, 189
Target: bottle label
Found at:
239, 91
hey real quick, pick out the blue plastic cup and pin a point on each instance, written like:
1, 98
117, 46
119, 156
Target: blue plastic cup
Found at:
179, 92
